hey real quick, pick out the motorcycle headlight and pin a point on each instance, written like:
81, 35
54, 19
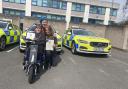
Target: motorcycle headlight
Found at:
83, 41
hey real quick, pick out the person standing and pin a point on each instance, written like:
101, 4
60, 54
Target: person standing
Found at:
49, 32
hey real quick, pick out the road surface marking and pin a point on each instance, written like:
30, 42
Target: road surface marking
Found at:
72, 60
12, 49
102, 71
117, 60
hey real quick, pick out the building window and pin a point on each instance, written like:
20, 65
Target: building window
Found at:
49, 16
50, 3
38, 15
45, 3
34, 2
22, 1
55, 4
111, 22
6, 0
78, 7
95, 21
16, 1
76, 20
12, 0
64, 5
14, 12
113, 12
97, 10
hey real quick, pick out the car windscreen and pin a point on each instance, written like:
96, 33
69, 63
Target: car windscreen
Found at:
3, 25
83, 32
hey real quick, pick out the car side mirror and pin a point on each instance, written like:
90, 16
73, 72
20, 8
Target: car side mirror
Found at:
10, 28
69, 33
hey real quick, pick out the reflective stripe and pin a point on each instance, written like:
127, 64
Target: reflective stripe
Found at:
76, 45
11, 39
67, 43
7, 33
15, 32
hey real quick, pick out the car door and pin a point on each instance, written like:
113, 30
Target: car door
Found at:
11, 31
69, 38
64, 37
16, 33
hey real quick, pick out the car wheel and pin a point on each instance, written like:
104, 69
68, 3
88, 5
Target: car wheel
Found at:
3, 43
73, 49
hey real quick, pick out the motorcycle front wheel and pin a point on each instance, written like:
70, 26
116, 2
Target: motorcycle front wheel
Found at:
31, 74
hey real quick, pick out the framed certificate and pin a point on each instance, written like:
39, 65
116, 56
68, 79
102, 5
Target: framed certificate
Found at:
30, 36
49, 45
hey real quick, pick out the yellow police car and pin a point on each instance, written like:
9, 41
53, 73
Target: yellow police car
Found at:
32, 28
84, 41
9, 33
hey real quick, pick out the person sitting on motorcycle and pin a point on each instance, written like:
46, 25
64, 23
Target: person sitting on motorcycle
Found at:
49, 35
40, 40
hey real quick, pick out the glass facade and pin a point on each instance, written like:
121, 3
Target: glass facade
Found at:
14, 12
97, 10
16, 1
49, 16
113, 12
78, 7
95, 21
76, 20
50, 3
61, 4
111, 22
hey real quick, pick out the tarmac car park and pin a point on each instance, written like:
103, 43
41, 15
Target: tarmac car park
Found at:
9, 33
84, 41
23, 37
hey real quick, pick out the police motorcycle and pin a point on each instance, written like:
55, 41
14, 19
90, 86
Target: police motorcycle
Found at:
33, 66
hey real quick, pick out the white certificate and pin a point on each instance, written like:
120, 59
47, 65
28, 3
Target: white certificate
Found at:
49, 45
30, 36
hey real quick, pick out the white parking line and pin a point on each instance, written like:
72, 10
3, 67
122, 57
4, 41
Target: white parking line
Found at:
105, 73
72, 60
12, 49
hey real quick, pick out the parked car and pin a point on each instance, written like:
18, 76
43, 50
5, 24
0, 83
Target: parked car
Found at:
84, 41
9, 33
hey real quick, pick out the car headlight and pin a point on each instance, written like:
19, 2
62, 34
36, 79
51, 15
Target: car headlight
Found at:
83, 41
